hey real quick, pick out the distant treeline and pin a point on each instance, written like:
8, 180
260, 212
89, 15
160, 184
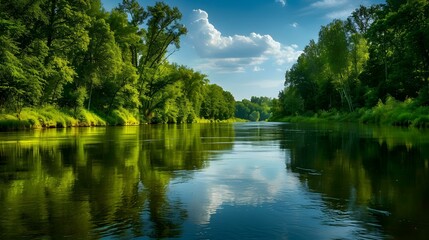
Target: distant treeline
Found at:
373, 63
257, 109
77, 57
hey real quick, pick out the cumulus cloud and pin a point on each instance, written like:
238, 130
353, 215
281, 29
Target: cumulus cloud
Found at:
294, 25
235, 53
281, 2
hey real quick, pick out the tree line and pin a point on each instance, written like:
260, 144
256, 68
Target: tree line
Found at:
255, 109
380, 54
75, 55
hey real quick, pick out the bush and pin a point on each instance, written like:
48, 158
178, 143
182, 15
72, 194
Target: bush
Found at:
87, 119
122, 117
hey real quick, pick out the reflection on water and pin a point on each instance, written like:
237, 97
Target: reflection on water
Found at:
95, 182
215, 181
379, 176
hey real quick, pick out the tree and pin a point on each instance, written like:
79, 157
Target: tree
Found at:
217, 104
20, 71
64, 29
362, 18
75, 54
333, 40
163, 30
101, 61
127, 32
398, 50
290, 102
193, 86
257, 106
254, 116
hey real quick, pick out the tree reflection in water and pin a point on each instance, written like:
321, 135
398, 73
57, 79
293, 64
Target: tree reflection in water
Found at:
379, 175
95, 182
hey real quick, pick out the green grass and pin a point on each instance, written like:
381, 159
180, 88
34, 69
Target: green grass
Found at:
52, 117
230, 120
9, 122
392, 112
48, 117
122, 117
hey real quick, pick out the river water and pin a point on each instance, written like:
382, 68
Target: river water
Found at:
215, 181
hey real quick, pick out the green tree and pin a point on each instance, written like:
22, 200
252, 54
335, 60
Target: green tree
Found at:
20, 70
241, 110
128, 34
217, 104
333, 41
193, 85
290, 102
64, 28
260, 105
163, 30
254, 116
101, 61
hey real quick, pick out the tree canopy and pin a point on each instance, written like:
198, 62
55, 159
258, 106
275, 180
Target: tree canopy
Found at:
379, 52
76, 55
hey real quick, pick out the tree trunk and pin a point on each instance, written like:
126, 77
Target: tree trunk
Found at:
90, 95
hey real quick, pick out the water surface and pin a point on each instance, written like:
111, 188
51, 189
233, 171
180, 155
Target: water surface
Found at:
215, 181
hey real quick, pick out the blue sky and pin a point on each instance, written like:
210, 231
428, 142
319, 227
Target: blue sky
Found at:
246, 46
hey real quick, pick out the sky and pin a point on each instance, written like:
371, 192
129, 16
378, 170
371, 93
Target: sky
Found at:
246, 46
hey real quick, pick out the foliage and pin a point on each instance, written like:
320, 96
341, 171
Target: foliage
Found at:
48, 117
257, 109
377, 60
218, 104
74, 55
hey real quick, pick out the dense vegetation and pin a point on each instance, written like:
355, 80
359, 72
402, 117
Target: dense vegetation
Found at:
373, 66
81, 59
257, 109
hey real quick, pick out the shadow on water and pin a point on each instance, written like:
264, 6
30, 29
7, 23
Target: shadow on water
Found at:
379, 176
98, 182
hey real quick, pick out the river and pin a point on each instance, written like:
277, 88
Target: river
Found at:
215, 181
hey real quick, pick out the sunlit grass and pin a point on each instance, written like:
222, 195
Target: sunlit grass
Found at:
122, 117
391, 112
397, 113
230, 120
48, 117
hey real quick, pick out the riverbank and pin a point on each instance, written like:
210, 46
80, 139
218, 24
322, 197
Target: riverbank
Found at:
51, 117
393, 113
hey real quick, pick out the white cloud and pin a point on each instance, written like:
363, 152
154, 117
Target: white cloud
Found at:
294, 25
235, 53
281, 2
231, 65
336, 9
341, 14
329, 3
257, 69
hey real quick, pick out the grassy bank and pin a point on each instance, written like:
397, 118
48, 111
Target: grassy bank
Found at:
392, 112
231, 120
51, 117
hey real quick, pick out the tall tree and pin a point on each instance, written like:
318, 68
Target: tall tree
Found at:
163, 30
218, 103
333, 40
125, 21
65, 31
21, 65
